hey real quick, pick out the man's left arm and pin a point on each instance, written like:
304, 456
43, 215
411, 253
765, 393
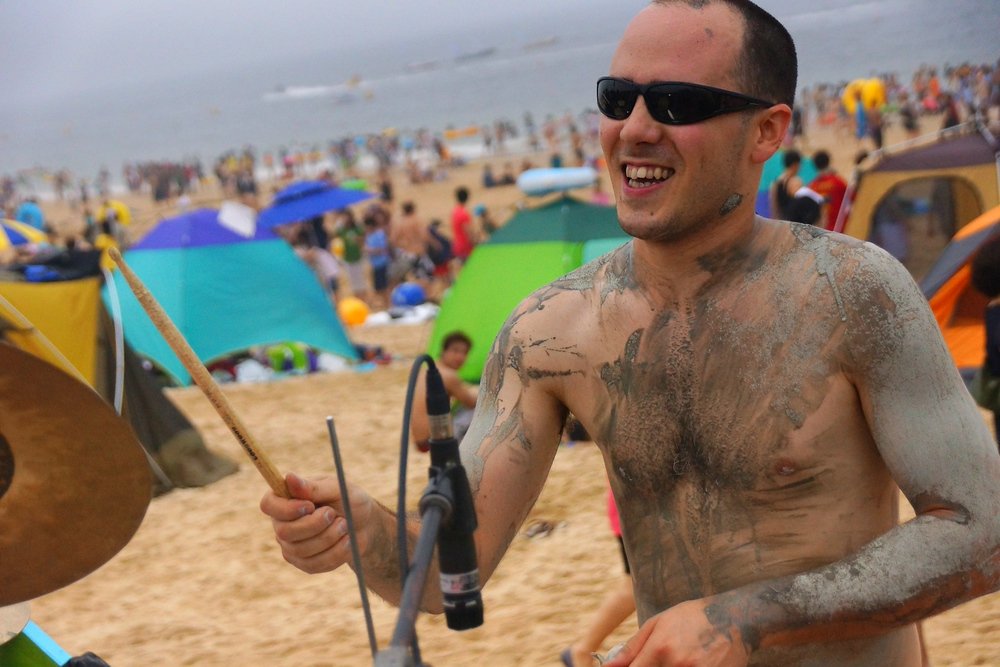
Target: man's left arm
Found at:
935, 443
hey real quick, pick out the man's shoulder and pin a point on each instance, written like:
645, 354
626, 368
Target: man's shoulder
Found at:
855, 266
578, 294
818, 241
608, 271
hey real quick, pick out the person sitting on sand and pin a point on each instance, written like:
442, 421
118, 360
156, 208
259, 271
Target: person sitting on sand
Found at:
454, 351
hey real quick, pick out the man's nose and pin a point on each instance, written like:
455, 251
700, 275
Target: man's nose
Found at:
640, 127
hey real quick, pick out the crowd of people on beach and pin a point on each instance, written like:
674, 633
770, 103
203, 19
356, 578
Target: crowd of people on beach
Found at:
960, 93
367, 254
346, 249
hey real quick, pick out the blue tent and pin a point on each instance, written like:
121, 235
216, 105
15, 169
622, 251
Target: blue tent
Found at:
224, 292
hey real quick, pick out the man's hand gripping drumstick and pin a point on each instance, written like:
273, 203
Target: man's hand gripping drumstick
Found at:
202, 377
317, 541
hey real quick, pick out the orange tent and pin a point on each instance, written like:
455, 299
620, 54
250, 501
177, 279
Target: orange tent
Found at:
957, 305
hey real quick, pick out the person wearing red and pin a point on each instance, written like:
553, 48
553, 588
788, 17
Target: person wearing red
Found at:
461, 227
830, 185
616, 607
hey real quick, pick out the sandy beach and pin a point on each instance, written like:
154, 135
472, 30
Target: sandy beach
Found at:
203, 582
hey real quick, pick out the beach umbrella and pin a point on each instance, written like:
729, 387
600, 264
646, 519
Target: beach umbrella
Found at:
14, 233
307, 199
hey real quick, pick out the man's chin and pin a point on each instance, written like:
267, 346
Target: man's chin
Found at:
655, 230
641, 226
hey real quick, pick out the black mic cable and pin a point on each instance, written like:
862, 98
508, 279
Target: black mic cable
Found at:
459, 572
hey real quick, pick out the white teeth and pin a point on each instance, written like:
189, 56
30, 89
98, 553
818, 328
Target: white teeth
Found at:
638, 175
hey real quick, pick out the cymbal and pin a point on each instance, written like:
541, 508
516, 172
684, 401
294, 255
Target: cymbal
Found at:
12, 620
74, 481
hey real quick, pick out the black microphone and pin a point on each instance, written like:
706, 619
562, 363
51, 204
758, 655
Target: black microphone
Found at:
463, 603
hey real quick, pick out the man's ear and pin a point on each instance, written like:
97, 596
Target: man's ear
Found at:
769, 132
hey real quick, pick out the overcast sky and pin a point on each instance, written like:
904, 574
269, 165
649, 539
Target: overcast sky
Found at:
55, 45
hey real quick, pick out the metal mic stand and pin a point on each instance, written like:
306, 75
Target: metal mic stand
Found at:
437, 511
436, 507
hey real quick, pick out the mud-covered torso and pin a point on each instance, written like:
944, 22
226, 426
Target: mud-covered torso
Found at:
734, 439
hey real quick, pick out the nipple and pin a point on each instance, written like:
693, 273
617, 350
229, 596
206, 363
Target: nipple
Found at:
784, 467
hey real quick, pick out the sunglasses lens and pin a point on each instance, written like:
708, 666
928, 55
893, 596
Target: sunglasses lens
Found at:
669, 103
680, 104
615, 99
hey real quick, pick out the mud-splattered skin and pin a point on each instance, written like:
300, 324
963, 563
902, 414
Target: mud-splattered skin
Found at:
754, 429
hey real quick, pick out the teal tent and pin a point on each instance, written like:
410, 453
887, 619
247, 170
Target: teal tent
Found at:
224, 292
535, 247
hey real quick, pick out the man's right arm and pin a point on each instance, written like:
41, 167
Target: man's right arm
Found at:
506, 453
516, 430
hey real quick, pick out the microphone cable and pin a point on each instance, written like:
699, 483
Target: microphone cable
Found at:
404, 450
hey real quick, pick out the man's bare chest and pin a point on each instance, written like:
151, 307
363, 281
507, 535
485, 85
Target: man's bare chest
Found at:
714, 397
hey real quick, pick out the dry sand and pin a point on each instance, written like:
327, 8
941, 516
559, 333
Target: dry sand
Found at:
203, 582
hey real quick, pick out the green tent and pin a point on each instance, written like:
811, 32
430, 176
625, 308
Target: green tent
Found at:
535, 247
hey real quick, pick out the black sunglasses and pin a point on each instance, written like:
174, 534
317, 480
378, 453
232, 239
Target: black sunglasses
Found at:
670, 102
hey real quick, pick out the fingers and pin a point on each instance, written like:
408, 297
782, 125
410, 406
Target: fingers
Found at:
310, 526
284, 509
629, 651
321, 490
306, 496
316, 542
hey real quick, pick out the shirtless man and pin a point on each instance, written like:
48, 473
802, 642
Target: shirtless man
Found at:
758, 390
454, 351
410, 238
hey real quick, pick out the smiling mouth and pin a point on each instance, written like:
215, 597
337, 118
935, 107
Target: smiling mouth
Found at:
644, 177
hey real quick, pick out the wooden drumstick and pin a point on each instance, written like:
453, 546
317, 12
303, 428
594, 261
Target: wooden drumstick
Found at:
201, 377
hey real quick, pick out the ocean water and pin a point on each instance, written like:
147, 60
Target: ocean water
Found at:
298, 104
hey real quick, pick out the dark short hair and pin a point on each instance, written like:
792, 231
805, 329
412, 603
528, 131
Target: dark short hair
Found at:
462, 194
768, 65
456, 337
821, 159
986, 268
791, 157
409, 207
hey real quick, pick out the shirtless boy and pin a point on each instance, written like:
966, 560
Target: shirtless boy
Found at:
454, 351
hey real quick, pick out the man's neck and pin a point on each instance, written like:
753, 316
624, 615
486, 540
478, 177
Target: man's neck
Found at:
679, 269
